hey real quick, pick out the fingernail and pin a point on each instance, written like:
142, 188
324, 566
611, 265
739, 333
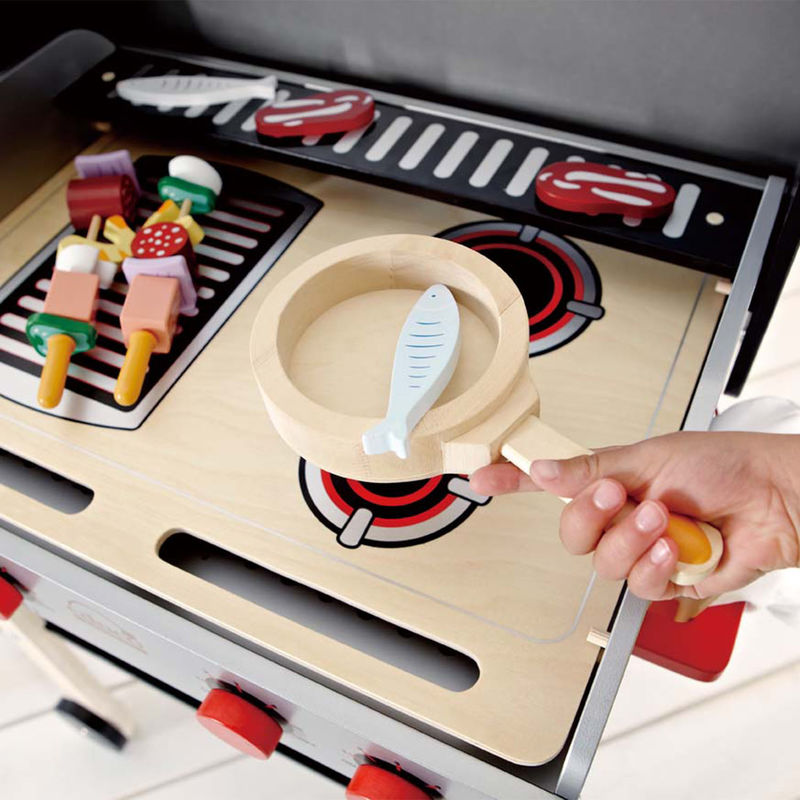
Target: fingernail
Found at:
649, 517
607, 496
545, 470
660, 552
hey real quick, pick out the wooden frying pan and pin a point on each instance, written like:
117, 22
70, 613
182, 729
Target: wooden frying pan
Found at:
322, 349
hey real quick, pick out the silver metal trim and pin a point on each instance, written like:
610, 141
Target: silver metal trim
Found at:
587, 734
723, 346
383, 735
487, 120
593, 717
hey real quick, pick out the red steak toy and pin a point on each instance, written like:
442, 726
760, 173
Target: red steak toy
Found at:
587, 188
326, 112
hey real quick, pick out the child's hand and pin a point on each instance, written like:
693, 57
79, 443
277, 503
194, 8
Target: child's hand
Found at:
745, 484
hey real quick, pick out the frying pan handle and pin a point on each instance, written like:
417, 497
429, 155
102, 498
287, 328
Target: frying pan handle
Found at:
699, 544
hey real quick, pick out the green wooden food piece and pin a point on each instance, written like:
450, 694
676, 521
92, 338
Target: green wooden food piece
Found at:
40, 327
178, 190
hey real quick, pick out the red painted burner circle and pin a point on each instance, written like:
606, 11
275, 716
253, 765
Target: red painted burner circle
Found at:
558, 282
387, 514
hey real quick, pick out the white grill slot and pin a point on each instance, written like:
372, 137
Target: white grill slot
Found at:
456, 154
213, 274
388, 139
420, 148
242, 222
527, 171
352, 138
685, 201
491, 163
231, 238
249, 205
25, 351
219, 255
229, 111
249, 125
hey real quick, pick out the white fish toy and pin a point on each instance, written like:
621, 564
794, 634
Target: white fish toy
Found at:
182, 91
424, 362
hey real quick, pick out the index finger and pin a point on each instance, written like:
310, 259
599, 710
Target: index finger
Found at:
501, 479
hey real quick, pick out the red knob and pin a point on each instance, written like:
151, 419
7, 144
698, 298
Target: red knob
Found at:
10, 599
239, 723
375, 783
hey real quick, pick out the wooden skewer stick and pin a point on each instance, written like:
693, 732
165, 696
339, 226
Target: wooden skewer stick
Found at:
689, 608
94, 228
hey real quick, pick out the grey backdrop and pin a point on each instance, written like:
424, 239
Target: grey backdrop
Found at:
713, 74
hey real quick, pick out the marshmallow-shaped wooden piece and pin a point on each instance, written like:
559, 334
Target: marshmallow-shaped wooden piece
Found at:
165, 267
85, 258
108, 251
194, 170
73, 295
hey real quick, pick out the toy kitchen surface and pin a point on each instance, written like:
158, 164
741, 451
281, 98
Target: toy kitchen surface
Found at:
442, 638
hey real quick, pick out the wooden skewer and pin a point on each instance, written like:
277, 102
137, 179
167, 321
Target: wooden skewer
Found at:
689, 608
94, 228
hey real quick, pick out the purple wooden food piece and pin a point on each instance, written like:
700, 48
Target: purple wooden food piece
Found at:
117, 162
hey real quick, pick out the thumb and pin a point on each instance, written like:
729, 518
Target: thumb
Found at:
568, 477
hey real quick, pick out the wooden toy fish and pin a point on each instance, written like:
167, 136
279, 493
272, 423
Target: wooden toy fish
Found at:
183, 91
424, 361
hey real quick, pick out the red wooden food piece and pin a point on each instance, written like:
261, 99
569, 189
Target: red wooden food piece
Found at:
326, 112
107, 195
239, 723
164, 239
10, 598
371, 782
699, 648
585, 188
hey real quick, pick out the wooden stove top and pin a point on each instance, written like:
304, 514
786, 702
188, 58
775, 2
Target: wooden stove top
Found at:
498, 588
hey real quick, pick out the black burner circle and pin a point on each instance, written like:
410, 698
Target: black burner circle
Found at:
557, 280
387, 514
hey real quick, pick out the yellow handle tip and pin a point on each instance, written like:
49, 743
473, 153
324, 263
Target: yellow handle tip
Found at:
693, 544
60, 347
134, 368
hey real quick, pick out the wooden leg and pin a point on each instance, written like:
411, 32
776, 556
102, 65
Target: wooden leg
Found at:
689, 608
76, 682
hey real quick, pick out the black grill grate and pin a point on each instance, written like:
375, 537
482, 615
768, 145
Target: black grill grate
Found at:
460, 158
255, 220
